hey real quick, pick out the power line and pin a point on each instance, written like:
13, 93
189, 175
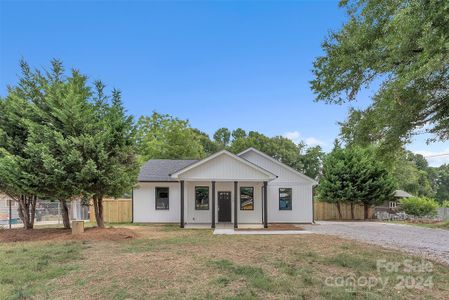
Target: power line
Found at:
437, 155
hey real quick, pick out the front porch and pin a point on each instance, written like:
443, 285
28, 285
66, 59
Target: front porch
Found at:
223, 188
223, 204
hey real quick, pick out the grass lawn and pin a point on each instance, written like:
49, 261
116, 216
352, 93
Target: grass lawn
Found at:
164, 262
436, 225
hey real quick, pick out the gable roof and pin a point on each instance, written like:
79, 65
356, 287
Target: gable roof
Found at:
160, 169
243, 161
402, 194
279, 163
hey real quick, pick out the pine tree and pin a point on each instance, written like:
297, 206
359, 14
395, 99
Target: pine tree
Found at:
354, 175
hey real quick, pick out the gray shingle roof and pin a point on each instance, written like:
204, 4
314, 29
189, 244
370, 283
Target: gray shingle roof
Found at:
402, 194
160, 169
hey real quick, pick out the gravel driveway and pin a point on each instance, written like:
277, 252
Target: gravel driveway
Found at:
432, 243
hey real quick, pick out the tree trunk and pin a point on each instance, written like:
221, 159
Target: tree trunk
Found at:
352, 210
27, 210
33, 210
339, 210
65, 213
98, 207
366, 210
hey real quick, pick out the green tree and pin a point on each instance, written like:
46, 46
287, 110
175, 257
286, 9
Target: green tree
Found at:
412, 174
60, 141
354, 175
442, 192
304, 159
109, 151
312, 162
238, 133
277, 147
209, 146
17, 169
419, 207
222, 137
400, 46
163, 136
13, 135
61, 115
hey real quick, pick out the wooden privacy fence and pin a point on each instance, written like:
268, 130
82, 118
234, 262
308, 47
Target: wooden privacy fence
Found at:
114, 211
328, 211
119, 211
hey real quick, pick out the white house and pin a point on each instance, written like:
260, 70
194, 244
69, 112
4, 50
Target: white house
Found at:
248, 188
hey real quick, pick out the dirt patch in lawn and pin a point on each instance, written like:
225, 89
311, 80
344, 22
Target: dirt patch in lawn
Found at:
51, 234
169, 263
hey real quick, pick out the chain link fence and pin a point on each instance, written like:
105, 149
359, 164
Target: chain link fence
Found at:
47, 213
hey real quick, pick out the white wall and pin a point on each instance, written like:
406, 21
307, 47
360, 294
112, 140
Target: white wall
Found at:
144, 205
191, 214
302, 209
251, 216
205, 216
144, 208
223, 168
283, 173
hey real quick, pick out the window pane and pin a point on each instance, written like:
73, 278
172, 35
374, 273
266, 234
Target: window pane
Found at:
246, 198
162, 200
285, 199
201, 197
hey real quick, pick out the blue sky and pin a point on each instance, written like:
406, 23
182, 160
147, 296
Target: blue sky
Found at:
219, 64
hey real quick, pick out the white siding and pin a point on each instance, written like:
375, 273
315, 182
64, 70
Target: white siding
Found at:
283, 173
205, 216
224, 168
301, 204
251, 216
302, 190
144, 208
191, 214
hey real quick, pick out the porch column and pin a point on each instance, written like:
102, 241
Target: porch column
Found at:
265, 205
235, 205
213, 205
182, 204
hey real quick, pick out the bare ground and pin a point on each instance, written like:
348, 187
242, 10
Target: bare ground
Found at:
55, 234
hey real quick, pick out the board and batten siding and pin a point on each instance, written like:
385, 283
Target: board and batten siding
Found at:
302, 210
205, 216
283, 173
222, 168
302, 191
144, 207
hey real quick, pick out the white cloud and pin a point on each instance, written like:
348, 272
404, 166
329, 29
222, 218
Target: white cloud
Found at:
435, 158
295, 136
311, 141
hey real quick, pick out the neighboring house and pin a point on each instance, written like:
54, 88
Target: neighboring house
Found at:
45, 211
392, 205
5, 202
248, 188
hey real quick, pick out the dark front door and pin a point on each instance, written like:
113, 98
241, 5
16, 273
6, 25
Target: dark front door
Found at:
224, 206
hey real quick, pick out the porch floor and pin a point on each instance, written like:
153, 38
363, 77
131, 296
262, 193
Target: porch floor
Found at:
272, 232
223, 226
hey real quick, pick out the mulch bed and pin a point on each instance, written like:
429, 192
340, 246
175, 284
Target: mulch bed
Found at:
276, 227
51, 234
